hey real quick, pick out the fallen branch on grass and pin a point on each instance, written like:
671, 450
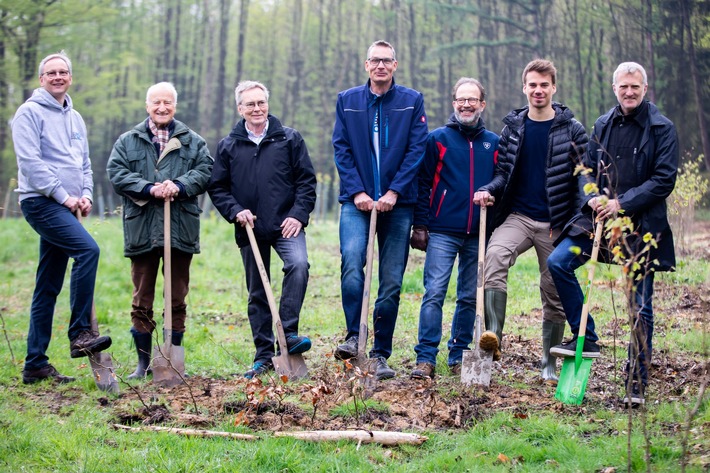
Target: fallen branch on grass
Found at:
187, 432
361, 436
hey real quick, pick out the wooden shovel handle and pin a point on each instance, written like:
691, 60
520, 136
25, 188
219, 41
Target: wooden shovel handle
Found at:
267, 288
590, 277
167, 276
94, 321
481, 277
365, 309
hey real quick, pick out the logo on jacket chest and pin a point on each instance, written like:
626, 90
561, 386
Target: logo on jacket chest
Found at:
76, 136
487, 145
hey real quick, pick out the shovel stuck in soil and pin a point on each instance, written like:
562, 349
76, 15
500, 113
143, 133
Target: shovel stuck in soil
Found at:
367, 366
285, 364
575, 370
477, 364
101, 363
169, 362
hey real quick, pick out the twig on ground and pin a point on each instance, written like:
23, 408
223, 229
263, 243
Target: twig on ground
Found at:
187, 432
4, 331
361, 436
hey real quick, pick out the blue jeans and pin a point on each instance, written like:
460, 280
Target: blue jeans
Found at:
294, 255
393, 229
61, 237
562, 263
440, 256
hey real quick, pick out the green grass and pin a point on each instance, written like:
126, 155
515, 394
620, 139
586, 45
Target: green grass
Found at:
67, 428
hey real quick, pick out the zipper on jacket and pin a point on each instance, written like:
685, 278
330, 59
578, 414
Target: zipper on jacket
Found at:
441, 202
470, 186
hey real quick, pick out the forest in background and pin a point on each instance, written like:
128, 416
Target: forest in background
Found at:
306, 51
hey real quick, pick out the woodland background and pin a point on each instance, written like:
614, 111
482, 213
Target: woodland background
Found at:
306, 51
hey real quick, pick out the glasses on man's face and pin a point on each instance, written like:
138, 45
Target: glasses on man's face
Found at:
375, 61
252, 105
52, 74
472, 100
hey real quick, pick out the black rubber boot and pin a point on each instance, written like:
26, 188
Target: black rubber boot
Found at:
177, 338
552, 334
143, 342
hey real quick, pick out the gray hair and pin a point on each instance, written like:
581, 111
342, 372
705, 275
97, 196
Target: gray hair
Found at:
60, 55
381, 42
245, 85
630, 68
468, 80
161, 85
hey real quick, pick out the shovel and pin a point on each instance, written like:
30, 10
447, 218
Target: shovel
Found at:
477, 364
101, 363
285, 364
169, 363
575, 370
367, 366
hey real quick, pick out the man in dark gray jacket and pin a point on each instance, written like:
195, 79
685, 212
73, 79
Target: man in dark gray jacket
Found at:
534, 188
633, 156
159, 159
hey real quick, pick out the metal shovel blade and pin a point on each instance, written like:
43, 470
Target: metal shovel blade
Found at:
573, 381
104, 376
292, 366
168, 365
476, 367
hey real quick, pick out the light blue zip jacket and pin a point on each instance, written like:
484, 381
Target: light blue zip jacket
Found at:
52, 149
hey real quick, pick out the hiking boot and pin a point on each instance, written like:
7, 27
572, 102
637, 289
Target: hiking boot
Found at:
46, 372
297, 344
259, 368
590, 349
635, 396
423, 370
455, 369
348, 349
87, 343
383, 370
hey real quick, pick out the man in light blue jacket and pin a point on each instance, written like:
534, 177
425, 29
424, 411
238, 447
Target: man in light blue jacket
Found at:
54, 183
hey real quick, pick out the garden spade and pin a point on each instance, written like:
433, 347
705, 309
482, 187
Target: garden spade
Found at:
169, 362
368, 366
101, 363
477, 364
575, 370
285, 364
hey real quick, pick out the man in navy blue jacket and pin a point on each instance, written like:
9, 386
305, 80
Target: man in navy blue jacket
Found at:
379, 139
460, 158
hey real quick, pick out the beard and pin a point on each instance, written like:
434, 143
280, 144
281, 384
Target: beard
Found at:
468, 121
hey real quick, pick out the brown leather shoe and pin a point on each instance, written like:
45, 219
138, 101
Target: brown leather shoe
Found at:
87, 343
422, 371
46, 372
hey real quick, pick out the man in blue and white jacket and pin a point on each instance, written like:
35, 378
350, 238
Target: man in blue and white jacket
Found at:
379, 139
460, 158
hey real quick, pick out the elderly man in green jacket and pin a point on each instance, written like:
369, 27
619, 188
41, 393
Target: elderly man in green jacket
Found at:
159, 159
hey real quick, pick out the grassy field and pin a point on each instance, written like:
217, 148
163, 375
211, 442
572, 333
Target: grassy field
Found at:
48, 428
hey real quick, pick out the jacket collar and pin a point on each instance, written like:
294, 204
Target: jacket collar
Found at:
240, 130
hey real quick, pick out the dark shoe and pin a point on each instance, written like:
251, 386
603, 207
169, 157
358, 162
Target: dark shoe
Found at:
455, 369
635, 396
297, 344
87, 343
590, 349
383, 370
143, 342
348, 349
259, 368
422, 371
46, 372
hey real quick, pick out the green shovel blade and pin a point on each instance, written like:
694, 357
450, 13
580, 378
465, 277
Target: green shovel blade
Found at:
573, 380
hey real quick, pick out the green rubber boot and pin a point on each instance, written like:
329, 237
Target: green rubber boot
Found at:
494, 309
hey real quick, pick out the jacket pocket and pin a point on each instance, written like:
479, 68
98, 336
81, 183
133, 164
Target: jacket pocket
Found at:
136, 229
189, 235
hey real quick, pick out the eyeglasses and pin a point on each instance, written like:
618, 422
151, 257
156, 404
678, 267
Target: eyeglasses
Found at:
252, 105
375, 61
471, 100
56, 73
